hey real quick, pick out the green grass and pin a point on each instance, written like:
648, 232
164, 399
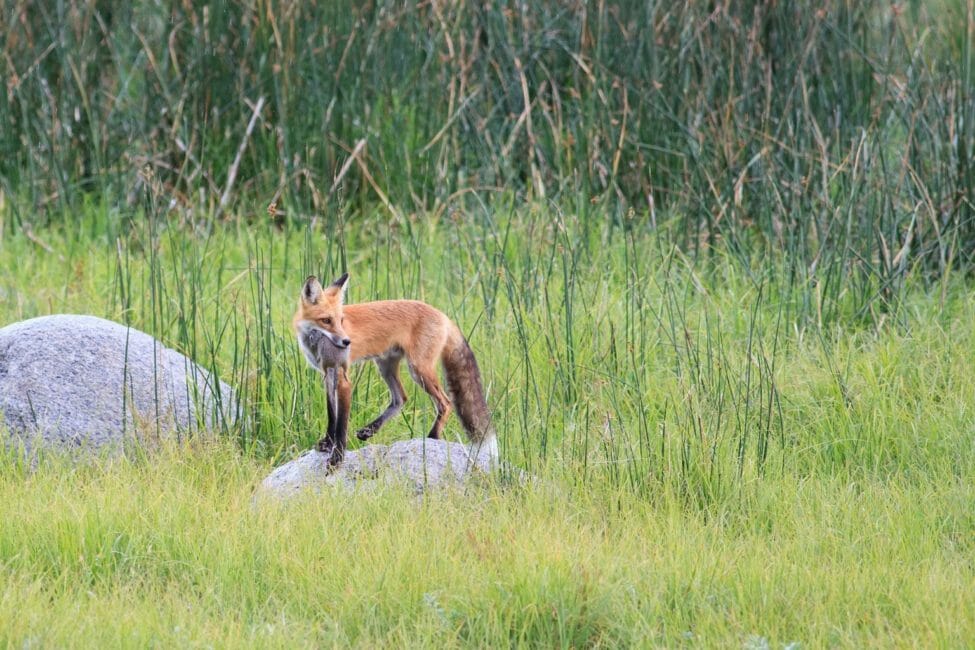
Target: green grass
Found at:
170, 552
718, 464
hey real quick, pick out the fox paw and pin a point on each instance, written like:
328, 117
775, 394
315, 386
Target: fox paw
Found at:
335, 458
365, 433
334, 455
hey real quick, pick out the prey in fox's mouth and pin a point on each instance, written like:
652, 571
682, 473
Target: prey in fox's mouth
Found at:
319, 335
321, 350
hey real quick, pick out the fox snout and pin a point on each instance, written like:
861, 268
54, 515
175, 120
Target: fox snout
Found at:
338, 340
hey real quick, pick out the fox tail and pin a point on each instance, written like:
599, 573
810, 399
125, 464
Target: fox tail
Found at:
467, 394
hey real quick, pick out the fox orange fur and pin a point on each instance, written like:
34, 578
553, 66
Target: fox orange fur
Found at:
333, 335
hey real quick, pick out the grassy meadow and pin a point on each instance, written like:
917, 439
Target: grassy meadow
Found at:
715, 263
709, 471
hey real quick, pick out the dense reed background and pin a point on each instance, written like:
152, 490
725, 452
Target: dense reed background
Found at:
715, 260
838, 132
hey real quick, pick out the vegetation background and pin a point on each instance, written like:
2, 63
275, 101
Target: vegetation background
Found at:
715, 260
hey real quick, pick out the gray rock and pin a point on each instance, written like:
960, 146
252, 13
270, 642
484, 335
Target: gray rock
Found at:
70, 382
419, 463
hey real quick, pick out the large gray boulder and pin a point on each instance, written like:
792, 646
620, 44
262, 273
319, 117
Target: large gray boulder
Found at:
419, 464
71, 382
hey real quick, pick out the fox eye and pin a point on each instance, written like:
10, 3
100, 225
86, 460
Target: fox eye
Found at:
327, 321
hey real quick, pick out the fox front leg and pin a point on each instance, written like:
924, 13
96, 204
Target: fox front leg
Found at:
330, 360
389, 369
342, 408
327, 443
338, 430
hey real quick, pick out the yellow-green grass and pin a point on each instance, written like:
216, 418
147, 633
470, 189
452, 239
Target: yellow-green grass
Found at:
170, 552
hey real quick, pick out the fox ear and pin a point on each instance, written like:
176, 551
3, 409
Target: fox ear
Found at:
340, 285
312, 290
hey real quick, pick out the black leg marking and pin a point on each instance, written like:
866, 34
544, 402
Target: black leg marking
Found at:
327, 443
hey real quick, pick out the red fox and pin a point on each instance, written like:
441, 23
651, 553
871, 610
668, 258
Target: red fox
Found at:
333, 335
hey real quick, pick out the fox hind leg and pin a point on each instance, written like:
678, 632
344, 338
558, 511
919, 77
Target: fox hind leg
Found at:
427, 379
389, 369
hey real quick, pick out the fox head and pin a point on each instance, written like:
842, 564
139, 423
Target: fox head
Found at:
318, 322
